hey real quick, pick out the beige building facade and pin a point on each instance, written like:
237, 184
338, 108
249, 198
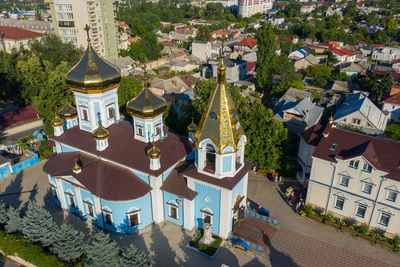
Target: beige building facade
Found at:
71, 16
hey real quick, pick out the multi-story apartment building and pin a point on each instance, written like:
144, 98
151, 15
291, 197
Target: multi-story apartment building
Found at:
356, 176
247, 8
71, 16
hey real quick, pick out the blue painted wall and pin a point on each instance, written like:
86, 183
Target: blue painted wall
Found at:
87, 195
167, 197
5, 170
200, 203
238, 189
65, 148
142, 176
227, 164
66, 187
24, 164
120, 218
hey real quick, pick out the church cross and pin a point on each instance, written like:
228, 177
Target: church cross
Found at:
87, 28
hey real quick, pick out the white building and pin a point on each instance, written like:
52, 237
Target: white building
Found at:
386, 54
356, 176
391, 104
248, 8
201, 50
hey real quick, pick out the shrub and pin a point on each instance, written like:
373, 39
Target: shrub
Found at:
308, 210
329, 217
341, 223
363, 228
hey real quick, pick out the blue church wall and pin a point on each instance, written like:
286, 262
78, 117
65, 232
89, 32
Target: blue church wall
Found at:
196, 158
24, 164
237, 190
171, 197
228, 149
142, 176
208, 197
54, 182
87, 196
120, 209
65, 148
190, 156
66, 187
54, 149
227, 164
165, 174
5, 170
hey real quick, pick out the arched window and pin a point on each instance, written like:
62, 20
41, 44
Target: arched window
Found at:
71, 198
133, 216
210, 158
89, 207
107, 213
207, 215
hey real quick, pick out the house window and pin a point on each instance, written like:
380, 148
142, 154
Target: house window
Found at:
391, 195
367, 188
173, 212
356, 121
361, 210
367, 168
133, 218
111, 111
85, 116
339, 203
158, 129
139, 130
344, 180
384, 219
53, 189
353, 164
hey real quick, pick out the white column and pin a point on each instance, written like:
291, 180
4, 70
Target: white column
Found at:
225, 213
60, 193
93, 116
188, 214
99, 213
157, 199
79, 199
218, 164
58, 147
245, 182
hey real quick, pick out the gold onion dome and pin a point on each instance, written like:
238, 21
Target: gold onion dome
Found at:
146, 104
101, 133
68, 112
192, 127
93, 74
57, 122
76, 165
220, 122
153, 152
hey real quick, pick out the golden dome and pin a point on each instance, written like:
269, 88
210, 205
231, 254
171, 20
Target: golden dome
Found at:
153, 152
68, 112
93, 74
100, 133
146, 104
57, 122
192, 127
76, 165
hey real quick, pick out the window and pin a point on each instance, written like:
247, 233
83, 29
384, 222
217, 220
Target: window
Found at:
89, 208
69, 24
367, 168
84, 114
353, 164
384, 219
361, 210
173, 212
111, 111
133, 218
333, 146
108, 217
367, 188
158, 129
139, 130
344, 180
356, 121
339, 203
71, 199
391, 195
67, 31
65, 16
64, 7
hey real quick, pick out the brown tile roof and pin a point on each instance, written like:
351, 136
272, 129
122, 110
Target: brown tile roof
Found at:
17, 33
394, 90
313, 135
189, 80
103, 179
18, 117
126, 150
393, 99
176, 184
383, 154
227, 182
250, 42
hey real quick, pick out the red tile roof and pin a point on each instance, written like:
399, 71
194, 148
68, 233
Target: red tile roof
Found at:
393, 99
17, 33
250, 42
18, 117
342, 52
378, 45
383, 154
313, 135
251, 67
394, 90
337, 51
122, 24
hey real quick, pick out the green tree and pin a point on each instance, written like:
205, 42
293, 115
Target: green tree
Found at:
102, 251
128, 88
391, 24
68, 243
322, 74
202, 92
132, 256
382, 85
39, 226
392, 132
204, 34
3, 213
265, 56
15, 223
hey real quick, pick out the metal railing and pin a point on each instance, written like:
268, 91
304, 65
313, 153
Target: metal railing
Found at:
262, 217
252, 246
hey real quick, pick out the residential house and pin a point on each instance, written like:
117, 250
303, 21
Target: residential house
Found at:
359, 111
246, 45
299, 115
201, 50
125, 64
235, 69
297, 54
342, 87
355, 176
351, 69
170, 88
14, 38
386, 54
343, 55
275, 20
303, 63
391, 104
307, 8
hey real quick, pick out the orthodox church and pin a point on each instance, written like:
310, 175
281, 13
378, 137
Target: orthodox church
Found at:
125, 175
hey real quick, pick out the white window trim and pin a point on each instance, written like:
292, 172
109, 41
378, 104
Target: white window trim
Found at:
134, 211
170, 212
336, 199
207, 212
354, 160
362, 205
380, 217
363, 186
88, 202
71, 194
83, 108
340, 180
387, 195
106, 210
109, 106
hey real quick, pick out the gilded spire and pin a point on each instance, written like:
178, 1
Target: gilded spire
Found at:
57, 122
192, 127
76, 165
220, 122
153, 152
100, 133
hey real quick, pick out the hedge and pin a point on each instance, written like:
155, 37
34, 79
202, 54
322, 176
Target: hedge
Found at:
209, 250
35, 254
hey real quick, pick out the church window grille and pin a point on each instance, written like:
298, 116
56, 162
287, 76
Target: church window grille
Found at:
210, 158
108, 217
89, 208
173, 209
139, 130
207, 216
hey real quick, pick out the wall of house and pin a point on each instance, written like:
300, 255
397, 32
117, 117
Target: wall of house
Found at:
365, 126
304, 157
25, 164
168, 197
208, 198
394, 111
5, 170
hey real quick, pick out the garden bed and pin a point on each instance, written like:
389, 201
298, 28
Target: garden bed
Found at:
209, 251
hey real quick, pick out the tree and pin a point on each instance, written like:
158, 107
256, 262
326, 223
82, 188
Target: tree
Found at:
202, 92
391, 24
15, 223
322, 74
68, 244
128, 88
204, 34
265, 56
382, 85
392, 132
132, 256
102, 251
39, 226
3, 213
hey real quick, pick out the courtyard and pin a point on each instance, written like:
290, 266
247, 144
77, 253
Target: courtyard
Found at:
298, 241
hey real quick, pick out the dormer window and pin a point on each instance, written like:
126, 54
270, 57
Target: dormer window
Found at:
367, 167
139, 130
354, 164
333, 146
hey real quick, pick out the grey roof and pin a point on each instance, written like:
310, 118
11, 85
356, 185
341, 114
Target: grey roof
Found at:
293, 95
310, 112
351, 66
312, 59
168, 85
343, 86
33, 25
360, 102
122, 62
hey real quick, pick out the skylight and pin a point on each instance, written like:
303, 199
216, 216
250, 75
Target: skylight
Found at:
333, 146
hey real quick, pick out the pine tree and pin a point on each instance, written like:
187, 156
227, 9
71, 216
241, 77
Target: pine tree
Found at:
132, 256
15, 223
102, 251
68, 244
39, 225
3, 213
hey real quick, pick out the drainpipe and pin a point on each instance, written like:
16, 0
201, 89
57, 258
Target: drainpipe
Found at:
376, 200
330, 189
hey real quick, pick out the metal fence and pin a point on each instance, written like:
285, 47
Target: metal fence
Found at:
261, 217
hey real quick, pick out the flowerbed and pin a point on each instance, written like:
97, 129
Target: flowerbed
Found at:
209, 250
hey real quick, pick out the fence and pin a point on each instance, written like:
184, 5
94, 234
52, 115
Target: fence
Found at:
252, 246
261, 217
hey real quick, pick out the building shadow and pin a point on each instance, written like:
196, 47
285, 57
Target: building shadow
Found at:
32, 197
277, 258
160, 250
12, 193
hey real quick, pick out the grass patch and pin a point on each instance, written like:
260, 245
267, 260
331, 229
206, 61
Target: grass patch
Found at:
35, 254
